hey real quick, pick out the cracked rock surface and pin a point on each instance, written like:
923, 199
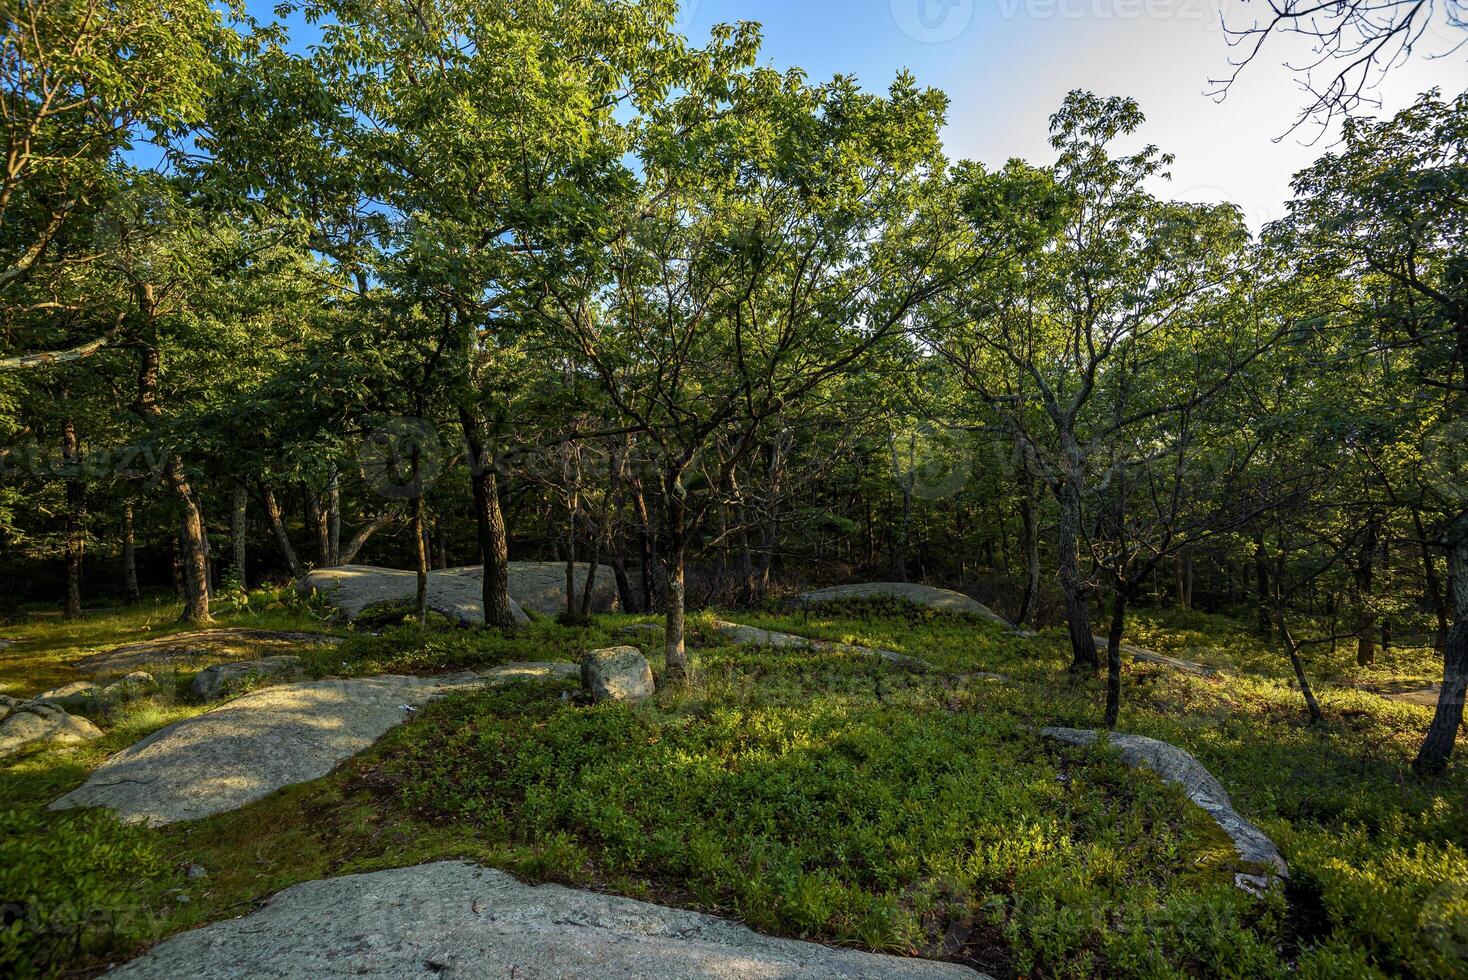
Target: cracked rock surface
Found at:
461, 920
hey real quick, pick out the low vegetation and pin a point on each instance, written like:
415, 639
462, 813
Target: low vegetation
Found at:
818, 795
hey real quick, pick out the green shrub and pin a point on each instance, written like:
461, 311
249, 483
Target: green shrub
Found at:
69, 888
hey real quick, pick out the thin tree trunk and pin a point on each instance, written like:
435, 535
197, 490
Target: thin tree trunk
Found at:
277, 527
1435, 592
237, 528
1077, 616
1363, 579
645, 544
76, 503
420, 539
194, 557
1113, 658
1031, 541
1437, 747
334, 516
129, 555
674, 556
1262, 586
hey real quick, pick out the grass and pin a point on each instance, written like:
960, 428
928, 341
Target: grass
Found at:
821, 796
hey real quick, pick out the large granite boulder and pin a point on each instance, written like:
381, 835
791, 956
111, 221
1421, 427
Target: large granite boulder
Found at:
540, 586
922, 595
1176, 766
617, 674
222, 680
24, 724
459, 920
455, 593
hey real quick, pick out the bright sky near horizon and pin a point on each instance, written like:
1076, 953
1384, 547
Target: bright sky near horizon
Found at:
1007, 64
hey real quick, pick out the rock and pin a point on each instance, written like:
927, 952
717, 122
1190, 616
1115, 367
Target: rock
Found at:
249, 747
456, 593
195, 871
132, 685
922, 595
617, 674
1153, 657
457, 919
753, 636
540, 586
639, 631
1176, 766
28, 723
189, 649
78, 695
224, 679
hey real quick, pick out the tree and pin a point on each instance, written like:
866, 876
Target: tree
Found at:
1385, 214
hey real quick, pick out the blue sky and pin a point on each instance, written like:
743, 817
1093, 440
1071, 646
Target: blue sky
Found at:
1006, 65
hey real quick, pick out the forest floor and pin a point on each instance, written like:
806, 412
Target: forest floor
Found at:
819, 795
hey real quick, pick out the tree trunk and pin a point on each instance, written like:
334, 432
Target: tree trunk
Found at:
420, 539
1077, 616
1262, 586
76, 502
1437, 747
1365, 616
237, 528
1030, 535
277, 528
645, 544
771, 533
194, 548
320, 527
129, 555
1434, 584
1113, 659
494, 551
674, 556
334, 516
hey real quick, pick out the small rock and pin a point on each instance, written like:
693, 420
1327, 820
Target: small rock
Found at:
223, 679
617, 674
71, 697
195, 871
134, 685
27, 723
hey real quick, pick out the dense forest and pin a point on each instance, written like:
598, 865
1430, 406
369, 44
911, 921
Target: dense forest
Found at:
461, 283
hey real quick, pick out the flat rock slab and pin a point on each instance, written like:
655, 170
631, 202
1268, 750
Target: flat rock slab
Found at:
250, 747
923, 595
191, 649
1176, 766
458, 920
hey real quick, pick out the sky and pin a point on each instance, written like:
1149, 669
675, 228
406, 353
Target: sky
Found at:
1007, 64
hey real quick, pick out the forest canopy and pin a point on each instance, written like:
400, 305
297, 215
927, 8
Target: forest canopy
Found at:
463, 281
